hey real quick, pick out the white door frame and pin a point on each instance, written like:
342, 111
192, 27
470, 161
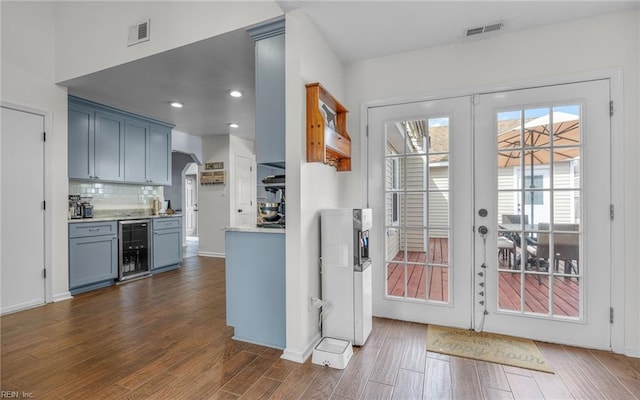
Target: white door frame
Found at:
183, 180
615, 75
48, 195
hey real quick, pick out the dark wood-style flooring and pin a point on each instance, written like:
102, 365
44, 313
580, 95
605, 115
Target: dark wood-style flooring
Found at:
165, 337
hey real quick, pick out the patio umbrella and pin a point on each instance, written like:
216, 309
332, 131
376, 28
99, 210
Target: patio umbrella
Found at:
537, 133
557, 133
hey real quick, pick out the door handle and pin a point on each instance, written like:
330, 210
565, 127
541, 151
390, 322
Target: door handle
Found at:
240, 211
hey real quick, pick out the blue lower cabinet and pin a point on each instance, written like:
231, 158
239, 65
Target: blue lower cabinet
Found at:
93, 256
255, 283
167, 243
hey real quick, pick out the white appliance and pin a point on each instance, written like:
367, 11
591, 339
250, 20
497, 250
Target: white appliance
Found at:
346, 274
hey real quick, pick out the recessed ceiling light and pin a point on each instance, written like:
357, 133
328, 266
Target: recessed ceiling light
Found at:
177, 104
235, 93
233, 125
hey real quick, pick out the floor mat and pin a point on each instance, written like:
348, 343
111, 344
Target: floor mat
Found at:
485, 346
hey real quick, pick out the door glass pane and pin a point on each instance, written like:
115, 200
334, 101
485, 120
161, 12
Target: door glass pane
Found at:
417, 209
438, 261
509, 294
566, 297
415, 176
393, 173
416, 138
538, 180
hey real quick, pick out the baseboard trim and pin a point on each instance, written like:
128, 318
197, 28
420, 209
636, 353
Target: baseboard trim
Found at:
301, 356
211, 254
61, 297
22, 306
631, 352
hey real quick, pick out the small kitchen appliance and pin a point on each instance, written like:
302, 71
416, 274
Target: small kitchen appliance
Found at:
272, 214
87, 210
75, 208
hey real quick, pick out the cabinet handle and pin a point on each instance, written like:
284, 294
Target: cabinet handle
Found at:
94, 229
96, 177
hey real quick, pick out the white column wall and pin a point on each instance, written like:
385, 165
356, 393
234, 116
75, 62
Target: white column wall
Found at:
594, 44
310, 186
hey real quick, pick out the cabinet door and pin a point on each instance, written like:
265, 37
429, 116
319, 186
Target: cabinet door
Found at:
167, 247
80, 146
159, 155
109, 147
135, 151
92, 259
270, 133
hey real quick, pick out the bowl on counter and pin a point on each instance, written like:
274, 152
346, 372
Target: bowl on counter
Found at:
269, 211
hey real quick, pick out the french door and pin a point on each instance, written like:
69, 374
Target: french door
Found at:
542, 173
492, 212
420, 175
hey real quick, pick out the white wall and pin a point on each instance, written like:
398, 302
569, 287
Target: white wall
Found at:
92, 36
186, 143
213, 200
605, 42
28, 80
310, 186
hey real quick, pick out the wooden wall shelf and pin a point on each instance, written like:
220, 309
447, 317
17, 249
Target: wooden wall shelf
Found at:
327, 137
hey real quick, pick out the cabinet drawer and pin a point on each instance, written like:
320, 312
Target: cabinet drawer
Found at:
167, 223
92, 229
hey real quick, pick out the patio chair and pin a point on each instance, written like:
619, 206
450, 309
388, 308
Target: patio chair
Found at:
514, 219
566, 247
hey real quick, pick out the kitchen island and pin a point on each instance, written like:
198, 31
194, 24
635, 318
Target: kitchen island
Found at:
255, 285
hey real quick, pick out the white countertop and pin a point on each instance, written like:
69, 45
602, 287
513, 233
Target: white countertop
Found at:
254, 229
121, 218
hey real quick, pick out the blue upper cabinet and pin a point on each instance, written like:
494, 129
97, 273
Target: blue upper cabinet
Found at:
108, 159
95, 144
81, 141
114, 146
135, 144
147, 153
270, 92
159, 155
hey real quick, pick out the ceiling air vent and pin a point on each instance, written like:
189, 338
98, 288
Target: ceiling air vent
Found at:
480, 30
138, 33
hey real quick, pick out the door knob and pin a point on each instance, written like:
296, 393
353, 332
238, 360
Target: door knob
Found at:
239, 210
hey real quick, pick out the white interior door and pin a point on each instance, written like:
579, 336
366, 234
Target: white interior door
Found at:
245, 182
22, 269
420, 182
191, 198
542, 168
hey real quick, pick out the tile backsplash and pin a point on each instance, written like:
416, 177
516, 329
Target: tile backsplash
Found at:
117, 196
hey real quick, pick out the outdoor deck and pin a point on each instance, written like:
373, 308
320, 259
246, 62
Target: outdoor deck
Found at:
432, 282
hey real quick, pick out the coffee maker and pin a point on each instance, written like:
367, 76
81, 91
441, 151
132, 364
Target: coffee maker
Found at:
75, 207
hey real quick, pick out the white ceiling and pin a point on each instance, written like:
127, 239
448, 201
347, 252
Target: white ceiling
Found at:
201, 74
